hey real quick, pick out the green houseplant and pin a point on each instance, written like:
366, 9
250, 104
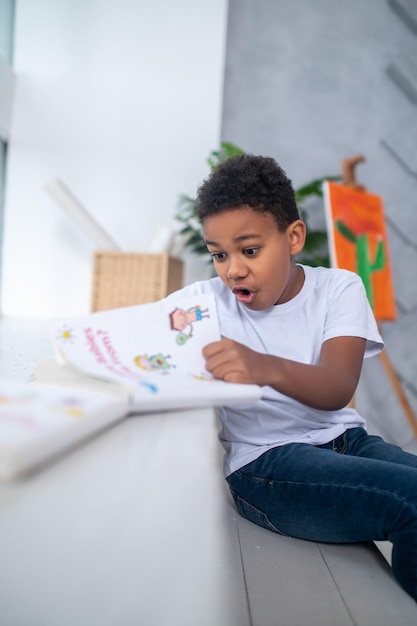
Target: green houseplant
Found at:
315, 250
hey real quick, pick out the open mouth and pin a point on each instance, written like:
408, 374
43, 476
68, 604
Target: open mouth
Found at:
243, 295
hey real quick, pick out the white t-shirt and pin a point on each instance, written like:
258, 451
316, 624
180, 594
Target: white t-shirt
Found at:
331, 303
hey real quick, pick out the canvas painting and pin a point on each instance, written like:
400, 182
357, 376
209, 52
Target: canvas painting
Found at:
358, 242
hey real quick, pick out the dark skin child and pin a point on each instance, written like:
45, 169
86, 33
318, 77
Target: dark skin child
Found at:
256, 261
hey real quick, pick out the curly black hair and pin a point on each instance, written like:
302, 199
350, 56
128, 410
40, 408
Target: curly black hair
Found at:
247, 179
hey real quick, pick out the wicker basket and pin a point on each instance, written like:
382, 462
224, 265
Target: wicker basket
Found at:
124, 279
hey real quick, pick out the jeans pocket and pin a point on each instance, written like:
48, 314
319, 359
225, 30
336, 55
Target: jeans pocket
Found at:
251, 513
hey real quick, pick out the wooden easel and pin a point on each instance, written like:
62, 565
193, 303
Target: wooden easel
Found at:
349, 179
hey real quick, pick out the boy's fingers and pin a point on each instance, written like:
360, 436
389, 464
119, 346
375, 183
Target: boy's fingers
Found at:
210, 349
213, 348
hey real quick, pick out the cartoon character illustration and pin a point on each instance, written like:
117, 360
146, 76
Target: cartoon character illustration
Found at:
156, 362
181, 320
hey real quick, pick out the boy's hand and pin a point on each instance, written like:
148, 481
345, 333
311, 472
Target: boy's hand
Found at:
328, 385
234, 362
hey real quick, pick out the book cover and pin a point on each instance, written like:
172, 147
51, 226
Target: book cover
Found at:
358, 242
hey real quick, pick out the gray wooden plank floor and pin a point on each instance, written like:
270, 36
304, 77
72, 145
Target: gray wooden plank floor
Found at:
290, 582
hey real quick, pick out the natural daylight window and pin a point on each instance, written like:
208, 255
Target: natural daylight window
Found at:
7, 9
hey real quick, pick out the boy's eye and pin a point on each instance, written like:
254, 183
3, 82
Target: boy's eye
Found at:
251, 251
218, 256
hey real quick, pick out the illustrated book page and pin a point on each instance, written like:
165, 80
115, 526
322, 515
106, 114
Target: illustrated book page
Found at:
111, 364
38, 422
155, 349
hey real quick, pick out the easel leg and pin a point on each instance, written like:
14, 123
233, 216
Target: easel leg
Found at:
411, 418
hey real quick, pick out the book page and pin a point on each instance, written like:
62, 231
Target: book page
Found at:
40, 421
154, 348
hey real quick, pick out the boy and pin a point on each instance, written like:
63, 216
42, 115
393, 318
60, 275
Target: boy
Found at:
299, 461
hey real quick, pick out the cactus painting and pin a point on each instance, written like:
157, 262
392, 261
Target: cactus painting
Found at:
358, 242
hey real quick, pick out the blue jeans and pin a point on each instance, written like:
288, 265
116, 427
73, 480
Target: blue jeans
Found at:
355, 488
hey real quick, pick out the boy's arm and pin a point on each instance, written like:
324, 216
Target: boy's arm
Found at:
328, 386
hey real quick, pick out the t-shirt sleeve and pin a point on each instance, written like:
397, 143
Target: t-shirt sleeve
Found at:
349, 313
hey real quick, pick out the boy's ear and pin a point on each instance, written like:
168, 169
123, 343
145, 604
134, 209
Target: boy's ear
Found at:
297, 232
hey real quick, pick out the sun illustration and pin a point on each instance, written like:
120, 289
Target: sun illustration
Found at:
65, 334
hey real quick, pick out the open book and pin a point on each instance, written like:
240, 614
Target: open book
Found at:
108, 365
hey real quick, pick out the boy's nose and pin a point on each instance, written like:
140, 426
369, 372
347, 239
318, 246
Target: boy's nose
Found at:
236, 269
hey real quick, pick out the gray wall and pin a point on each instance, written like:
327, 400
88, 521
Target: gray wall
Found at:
311, 83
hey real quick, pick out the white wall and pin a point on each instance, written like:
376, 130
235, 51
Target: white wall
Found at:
121, 99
